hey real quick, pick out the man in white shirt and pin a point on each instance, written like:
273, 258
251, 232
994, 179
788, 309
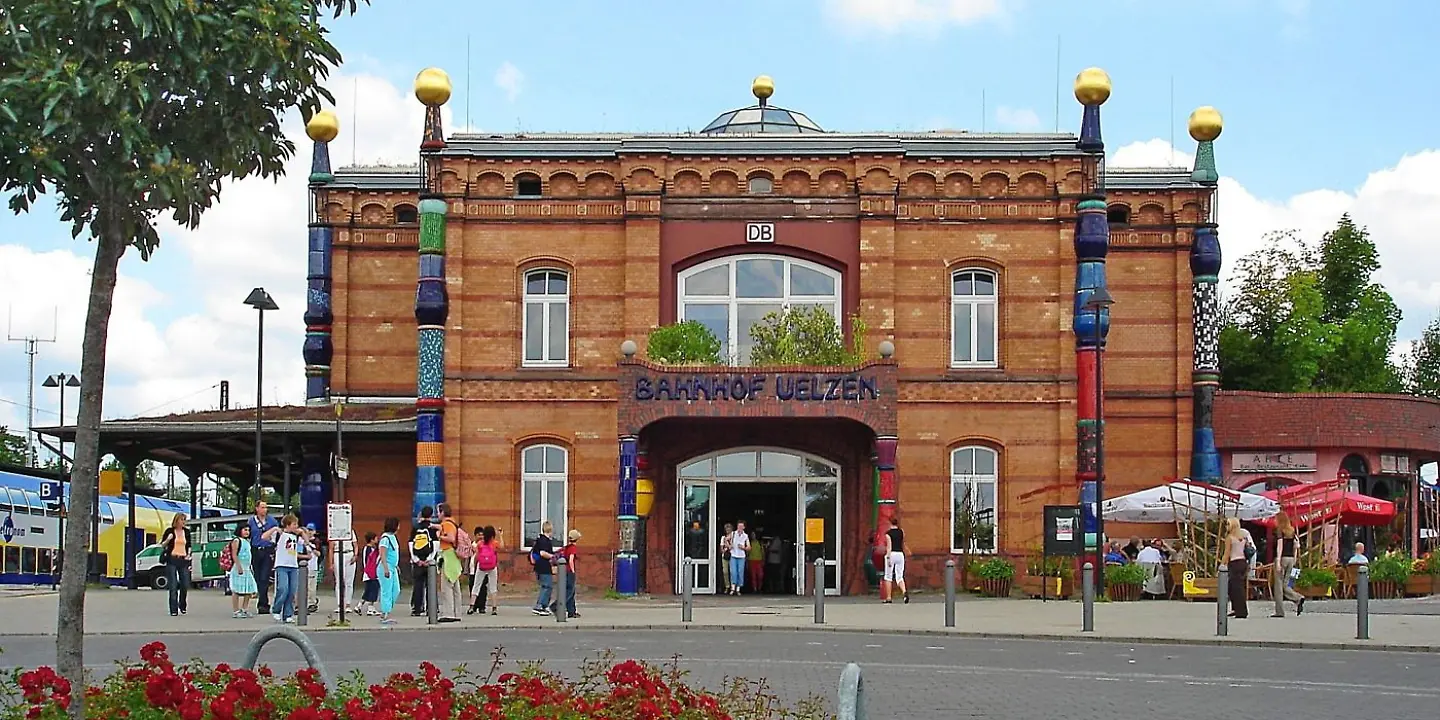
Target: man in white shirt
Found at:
1359, 557
1153, 561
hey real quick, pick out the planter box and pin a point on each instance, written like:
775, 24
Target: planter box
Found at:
1384, 589
1314, 592
1124, 592
1053, 587
995, 588
1420, 585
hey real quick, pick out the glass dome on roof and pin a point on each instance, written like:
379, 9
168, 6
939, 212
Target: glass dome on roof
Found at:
762, 118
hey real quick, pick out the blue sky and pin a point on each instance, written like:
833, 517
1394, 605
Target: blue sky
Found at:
1329, 108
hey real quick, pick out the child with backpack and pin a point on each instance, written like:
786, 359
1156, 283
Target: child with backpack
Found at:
369, 565
485, 583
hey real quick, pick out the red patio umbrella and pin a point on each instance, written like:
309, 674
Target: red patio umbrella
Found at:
1327, 501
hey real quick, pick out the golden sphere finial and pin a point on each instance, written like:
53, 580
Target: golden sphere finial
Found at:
324, 126
1206, 124
1092, 86
432, 87
762, 87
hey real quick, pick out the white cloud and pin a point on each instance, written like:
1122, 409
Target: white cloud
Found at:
891, 16
254, 236
1017, 119
510, 79
1400, 205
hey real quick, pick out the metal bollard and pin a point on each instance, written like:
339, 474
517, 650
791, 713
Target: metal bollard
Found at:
852, 694
949, 593
432, 593
1087, 598
561, 579
301, 597
1222, 602
820, 591
312, 656
1362, 603
687, 593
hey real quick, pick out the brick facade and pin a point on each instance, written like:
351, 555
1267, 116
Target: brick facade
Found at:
622, 222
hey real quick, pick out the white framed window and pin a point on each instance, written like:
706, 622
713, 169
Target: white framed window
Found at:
973, 476
974, 301
732, 294
546, 336
544, 476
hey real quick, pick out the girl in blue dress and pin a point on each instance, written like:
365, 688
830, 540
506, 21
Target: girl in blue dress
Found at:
242, 573
388, 570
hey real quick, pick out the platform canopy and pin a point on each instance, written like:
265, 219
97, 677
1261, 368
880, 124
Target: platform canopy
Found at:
222, 442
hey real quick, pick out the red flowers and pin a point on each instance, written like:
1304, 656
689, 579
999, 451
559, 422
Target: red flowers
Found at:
157, 688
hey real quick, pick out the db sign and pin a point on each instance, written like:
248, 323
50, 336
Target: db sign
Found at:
760, 232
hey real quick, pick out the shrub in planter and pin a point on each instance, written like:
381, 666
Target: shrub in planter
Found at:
683, 343
1123, 582
995, 577
1388, 574
1316, 582
1424, 573
806, 335
157, 689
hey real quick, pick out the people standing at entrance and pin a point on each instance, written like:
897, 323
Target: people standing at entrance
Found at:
452, 565
290, 549
1237, 541
755, 558
264, 531
242, 573
541, 552
725, 557
739, 549
1285, 564
389, 570
486, 584
775, 563
175, 546
422, 554
895, 562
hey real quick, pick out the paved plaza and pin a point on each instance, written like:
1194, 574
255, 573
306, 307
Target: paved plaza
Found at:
1410, 625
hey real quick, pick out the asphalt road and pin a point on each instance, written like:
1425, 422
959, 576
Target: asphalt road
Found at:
905, 676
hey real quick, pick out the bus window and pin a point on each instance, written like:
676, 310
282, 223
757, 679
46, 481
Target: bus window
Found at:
27, 560
44, 561
11, 563
107, 514
223, 531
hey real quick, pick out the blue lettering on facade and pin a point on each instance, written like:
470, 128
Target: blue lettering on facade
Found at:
851, 387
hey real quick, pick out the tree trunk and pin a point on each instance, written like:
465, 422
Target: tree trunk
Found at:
84, 472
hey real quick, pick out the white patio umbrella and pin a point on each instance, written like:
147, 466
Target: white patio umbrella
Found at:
1186, 500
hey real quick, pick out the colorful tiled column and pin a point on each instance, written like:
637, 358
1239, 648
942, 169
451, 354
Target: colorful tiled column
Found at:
1092, 243
1205, 126
318, 349
314, 492
627, 557
432, 302
886, 497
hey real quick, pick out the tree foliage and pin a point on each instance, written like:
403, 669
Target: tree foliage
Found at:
144, 473
683, 343
1422, 363
125, 110
806, 335
1309, 318
13, 450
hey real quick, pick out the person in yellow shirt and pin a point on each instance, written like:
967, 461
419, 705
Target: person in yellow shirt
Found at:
755, 558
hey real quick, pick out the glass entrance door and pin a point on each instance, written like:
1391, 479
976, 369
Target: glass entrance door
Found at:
820, 533
696, 538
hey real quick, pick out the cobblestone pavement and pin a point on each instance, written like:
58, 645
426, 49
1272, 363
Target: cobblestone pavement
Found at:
1409, 606
905, 676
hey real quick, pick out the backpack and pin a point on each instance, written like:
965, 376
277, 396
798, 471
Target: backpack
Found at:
485, 558
421, 544
227, 557
464, 544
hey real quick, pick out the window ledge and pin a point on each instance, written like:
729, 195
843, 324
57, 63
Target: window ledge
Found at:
545, 366
954, 551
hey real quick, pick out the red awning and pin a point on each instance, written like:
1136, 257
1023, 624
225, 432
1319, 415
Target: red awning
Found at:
1329, 501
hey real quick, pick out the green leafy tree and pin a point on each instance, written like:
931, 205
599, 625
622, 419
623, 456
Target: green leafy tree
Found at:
805, 335
13, 450
1422, 363
144, 473
126, 110
683, 343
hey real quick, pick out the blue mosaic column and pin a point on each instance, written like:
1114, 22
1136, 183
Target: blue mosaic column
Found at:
1205, 261
627, 557
314, 495
318, 348
432, 302
1092, 244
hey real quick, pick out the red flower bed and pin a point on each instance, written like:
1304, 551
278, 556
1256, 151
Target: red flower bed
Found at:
158, 689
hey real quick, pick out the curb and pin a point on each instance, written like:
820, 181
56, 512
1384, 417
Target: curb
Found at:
960, 634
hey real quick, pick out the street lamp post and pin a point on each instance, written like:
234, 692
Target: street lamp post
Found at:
62, 381
1100, 299
261, 301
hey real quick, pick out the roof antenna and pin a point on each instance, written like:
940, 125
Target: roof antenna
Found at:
355, 123
31, 349
467, 84
1172, 120
1057, 85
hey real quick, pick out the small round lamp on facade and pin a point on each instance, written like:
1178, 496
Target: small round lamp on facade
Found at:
1092, 86
762, 88
432, 87
1206, 124
629, 348
887, 349
323, 127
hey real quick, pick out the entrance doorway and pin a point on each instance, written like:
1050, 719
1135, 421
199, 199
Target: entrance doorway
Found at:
794, 498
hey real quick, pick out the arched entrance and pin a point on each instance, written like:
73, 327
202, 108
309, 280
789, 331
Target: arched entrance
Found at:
791, 498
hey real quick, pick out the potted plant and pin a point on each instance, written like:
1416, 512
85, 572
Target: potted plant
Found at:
1123, 582
1047, 577
1388, 574
683, 343
1315, 583
1423, 574
996, 574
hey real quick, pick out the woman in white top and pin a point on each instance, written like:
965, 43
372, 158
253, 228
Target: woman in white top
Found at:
1237, 541
739, 547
